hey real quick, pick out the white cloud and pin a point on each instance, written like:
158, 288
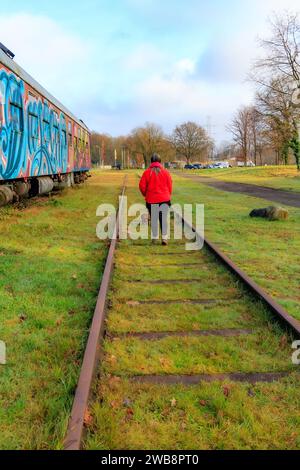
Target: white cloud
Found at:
213, 84
268, 6
144, 57
171, 100
147, 59
56, 58
228, 60
185, 67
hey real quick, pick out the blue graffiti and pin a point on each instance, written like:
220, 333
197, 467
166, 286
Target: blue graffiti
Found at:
12, 119
33, 136
47, 139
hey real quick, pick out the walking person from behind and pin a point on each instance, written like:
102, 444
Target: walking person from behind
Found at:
156, 187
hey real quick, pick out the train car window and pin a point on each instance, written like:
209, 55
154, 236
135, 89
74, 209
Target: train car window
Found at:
64, 134
55, 120
78, 138
16, 112
46, 125
56, 131
70, 134
33, 125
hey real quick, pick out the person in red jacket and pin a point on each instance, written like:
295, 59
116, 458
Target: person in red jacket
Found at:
156, 187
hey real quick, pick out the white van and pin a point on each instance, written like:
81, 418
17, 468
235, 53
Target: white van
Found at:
221, 165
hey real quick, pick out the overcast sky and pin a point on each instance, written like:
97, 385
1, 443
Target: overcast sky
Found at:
119, 63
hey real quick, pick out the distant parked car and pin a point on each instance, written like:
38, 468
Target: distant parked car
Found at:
198, 166
224, 165
189, 167
221, 165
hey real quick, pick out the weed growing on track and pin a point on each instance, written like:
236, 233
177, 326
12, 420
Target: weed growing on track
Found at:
189, 356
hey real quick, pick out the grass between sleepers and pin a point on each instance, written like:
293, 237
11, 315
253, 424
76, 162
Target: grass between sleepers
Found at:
209, 416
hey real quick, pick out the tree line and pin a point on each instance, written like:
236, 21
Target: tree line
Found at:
188, 141
274, 118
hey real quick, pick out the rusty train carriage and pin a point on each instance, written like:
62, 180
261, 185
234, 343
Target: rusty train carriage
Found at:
42, 144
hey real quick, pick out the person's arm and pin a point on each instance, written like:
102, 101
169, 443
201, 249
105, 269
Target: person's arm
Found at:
170, 183
143, 184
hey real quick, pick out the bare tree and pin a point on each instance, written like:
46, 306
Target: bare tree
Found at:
226, 150
282, 48
102, 149
278, 74
190, 141
273, 103
256, 129
146, 140
240, 129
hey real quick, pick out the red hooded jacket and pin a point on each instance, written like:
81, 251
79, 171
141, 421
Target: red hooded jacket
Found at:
156, 184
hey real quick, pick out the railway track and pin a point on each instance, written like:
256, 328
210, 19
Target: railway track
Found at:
172, 320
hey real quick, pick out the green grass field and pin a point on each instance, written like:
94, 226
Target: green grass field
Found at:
51, 265
278, 177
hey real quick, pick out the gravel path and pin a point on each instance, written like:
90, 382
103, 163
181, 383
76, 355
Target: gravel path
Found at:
288, 198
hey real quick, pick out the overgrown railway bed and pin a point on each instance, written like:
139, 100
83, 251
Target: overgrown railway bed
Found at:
191, 358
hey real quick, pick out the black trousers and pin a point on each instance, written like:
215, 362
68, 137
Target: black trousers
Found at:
159, 213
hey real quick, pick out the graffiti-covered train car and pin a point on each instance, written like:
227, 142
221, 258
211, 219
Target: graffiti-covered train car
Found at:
43, 146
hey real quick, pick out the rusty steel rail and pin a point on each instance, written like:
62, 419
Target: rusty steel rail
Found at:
279, 311
92, 352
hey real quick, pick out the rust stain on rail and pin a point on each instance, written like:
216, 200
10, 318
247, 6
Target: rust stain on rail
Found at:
91, 355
